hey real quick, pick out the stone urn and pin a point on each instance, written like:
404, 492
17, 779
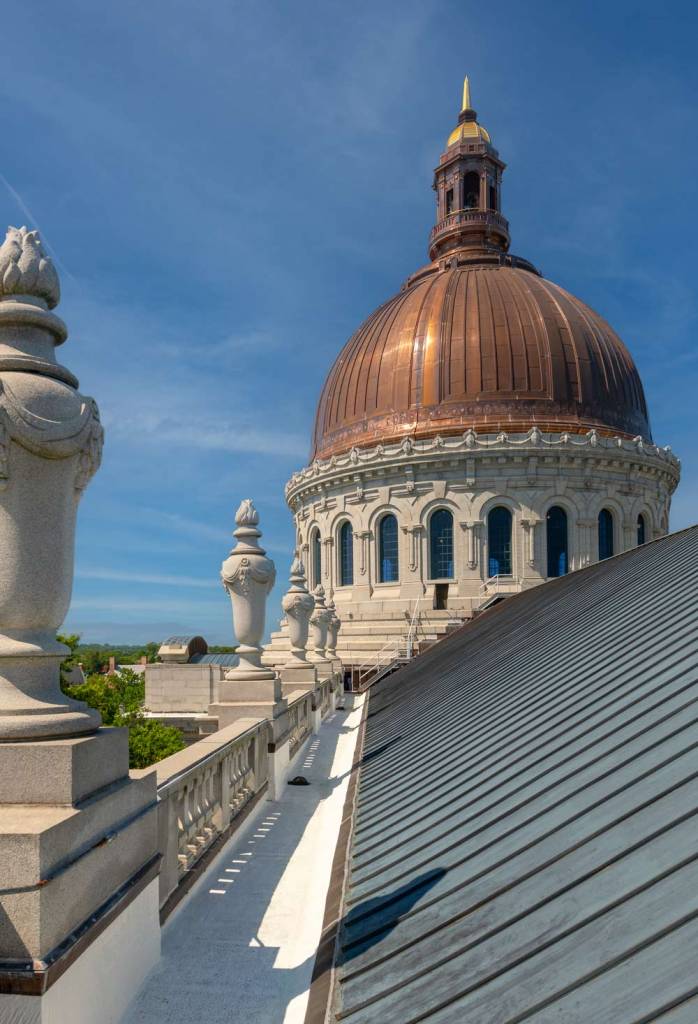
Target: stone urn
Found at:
333, 627
248, 576
319, 622
50, 445
298, 606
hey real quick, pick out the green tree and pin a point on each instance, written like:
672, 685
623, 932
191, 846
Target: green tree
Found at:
119, 699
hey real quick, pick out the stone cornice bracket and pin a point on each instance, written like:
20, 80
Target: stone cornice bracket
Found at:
363, 537
326, 561
529, 526
472, 529
413, 532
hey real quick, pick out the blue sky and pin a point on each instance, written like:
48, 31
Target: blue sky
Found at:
230, 188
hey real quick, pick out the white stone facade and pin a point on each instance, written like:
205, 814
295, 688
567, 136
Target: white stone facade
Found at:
469, 475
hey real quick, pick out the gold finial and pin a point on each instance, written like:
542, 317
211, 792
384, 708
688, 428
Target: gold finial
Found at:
466, 94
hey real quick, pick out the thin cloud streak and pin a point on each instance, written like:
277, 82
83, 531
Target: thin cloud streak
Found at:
159, 579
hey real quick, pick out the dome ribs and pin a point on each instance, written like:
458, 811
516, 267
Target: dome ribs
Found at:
380, 377
371, 343
503, 346
483, 345
422, 343
514, 335
453, 328
569, 379
488, 351
532, 331
437, 315
473, 355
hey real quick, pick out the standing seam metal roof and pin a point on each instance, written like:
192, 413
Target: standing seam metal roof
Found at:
525, 837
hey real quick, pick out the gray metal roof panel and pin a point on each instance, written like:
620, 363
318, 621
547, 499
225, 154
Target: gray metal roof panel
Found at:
214, 659
525, 836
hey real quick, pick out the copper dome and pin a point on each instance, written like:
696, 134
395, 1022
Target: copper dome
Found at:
493, 347
477, 338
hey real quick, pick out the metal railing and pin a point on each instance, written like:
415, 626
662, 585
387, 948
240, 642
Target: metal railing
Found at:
394, 652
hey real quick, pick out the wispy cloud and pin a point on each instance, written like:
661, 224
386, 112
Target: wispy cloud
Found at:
158, 579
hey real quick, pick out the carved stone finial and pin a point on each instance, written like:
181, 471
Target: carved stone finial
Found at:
50, 445
298, 606
248, 576
247, 514
333, 627
319, 621
25, 269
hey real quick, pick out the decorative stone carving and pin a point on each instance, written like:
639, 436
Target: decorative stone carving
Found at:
298, 606
319, 622
248, 576
333, 627
25, 270
50, 445
363, 537
471, 530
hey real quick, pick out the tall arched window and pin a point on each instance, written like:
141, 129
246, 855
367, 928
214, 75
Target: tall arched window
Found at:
556, 535
441, 545
346, 555
315, 559
499, 541
641, 531
605, 534
471, 191
388, 571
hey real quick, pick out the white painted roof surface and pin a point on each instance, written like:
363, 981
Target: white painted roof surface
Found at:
241, 946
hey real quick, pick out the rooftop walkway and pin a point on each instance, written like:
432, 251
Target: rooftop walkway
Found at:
241, 946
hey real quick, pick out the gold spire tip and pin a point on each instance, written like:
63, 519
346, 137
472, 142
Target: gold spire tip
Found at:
466, 94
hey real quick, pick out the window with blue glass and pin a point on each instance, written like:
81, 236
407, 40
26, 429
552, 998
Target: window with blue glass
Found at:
441, 545
499, 541
346, 555
316, 558
641, 533
387, 549
605, 534
556, 536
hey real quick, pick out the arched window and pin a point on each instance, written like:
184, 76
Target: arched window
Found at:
499, 541
605, 534
471, 191
346, 555
315, 559
556, 535
441, 545
641, 532
388, 571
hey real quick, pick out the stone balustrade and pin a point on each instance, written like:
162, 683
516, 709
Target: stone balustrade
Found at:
300, 720
201, 792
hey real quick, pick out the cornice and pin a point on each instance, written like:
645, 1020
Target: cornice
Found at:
410, 453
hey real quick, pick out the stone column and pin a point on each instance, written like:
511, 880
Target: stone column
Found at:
298, 606
78, 837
